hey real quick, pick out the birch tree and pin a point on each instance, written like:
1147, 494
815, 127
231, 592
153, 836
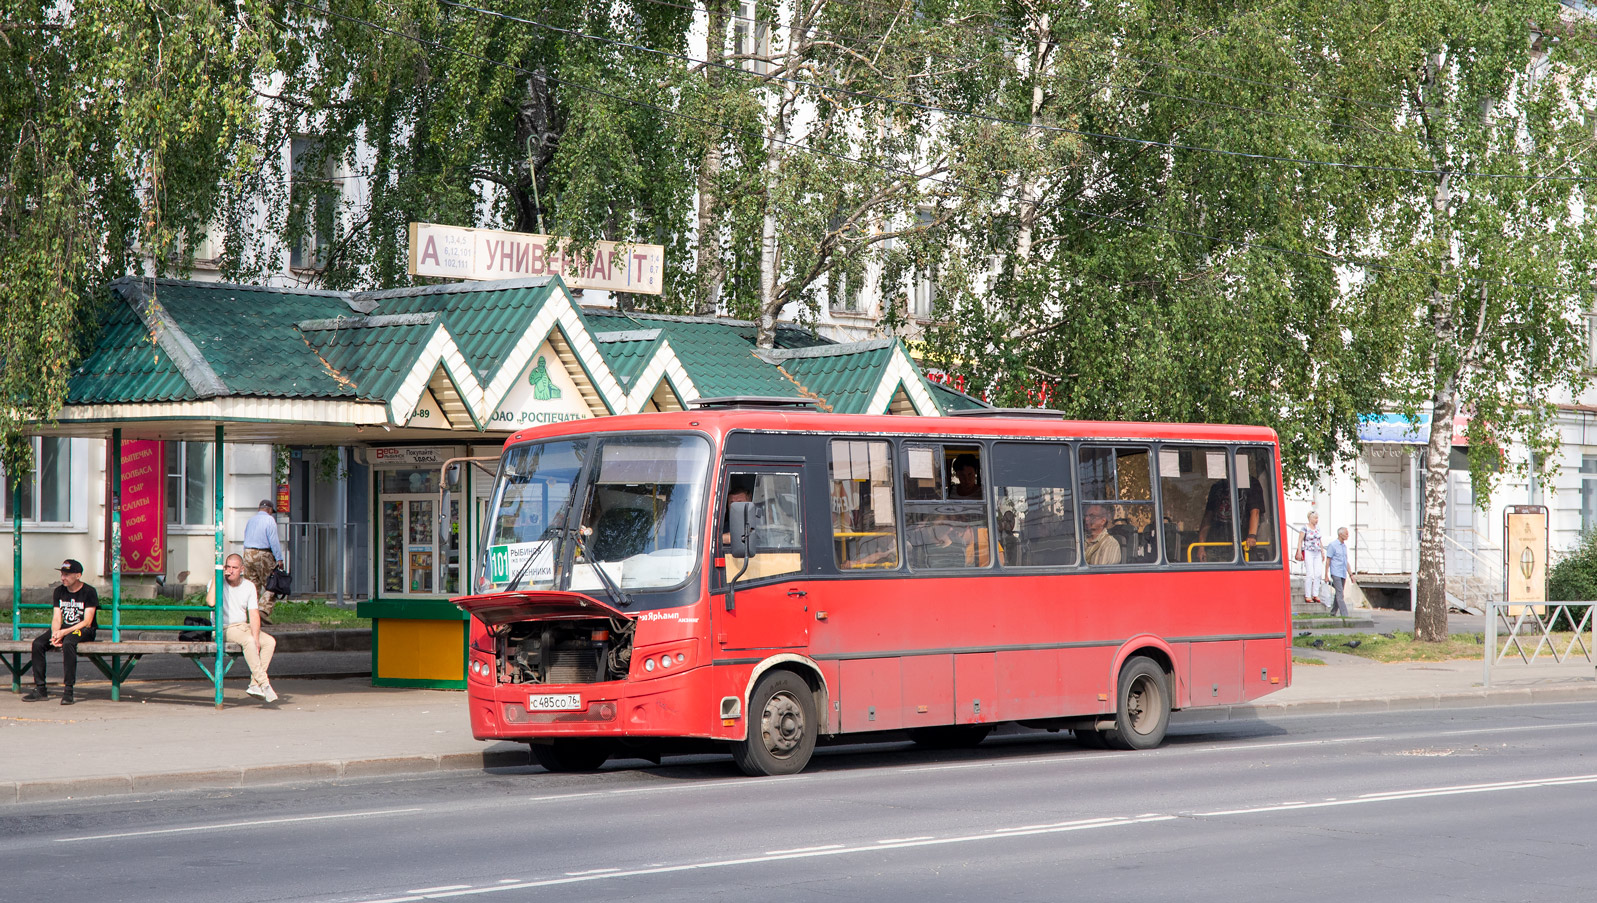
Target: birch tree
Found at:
1485, 266
120, 123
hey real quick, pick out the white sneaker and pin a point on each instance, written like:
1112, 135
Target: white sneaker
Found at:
268, 694
255, 691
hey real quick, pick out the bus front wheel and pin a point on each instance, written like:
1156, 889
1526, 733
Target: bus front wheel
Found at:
571, 755
781, 726
1143, 713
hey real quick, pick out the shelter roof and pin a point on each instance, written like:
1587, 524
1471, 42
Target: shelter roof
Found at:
178, 350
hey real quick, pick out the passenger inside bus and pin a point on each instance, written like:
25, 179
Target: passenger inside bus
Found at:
1101, 546
966, 482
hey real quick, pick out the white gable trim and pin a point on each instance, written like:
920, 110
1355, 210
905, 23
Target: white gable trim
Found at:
664, 364
900, 371
439, 352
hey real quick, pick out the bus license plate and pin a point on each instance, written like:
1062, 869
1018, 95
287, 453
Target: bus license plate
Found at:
554, 702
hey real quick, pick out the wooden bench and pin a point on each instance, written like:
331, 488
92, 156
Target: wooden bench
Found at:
116, 660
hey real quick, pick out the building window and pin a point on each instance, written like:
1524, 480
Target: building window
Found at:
189, 488
313, 195
844, 292
46, 491
1588, 492
751, 36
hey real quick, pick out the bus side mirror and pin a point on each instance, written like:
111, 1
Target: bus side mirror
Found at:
742, 517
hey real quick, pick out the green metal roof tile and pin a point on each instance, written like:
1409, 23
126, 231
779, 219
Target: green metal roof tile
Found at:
847, 379
247, 336
629, 352
485, 323
952, 400
374, 356
126, 365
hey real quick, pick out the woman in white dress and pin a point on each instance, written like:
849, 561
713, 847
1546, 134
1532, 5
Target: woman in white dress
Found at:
1311, 546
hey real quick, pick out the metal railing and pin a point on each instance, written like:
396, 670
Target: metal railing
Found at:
1541, 619
312, 550
1378, 550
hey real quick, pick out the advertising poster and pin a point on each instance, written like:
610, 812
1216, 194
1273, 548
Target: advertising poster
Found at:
143, 507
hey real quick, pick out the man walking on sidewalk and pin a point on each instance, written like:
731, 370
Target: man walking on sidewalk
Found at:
262, 552
241, 624
1336, 570
72, 621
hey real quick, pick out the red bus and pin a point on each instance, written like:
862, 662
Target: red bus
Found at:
765, 576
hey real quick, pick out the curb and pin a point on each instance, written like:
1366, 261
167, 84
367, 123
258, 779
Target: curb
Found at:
394, 766
257, 775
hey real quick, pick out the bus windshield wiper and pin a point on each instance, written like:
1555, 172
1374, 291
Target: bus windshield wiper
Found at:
621, 596
563, 516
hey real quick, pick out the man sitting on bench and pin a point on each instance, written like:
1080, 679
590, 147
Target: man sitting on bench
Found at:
72, 621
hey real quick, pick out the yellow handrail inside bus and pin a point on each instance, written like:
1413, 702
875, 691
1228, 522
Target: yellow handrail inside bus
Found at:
1202, 545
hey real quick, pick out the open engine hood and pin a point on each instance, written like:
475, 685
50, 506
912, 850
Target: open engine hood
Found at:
536, 605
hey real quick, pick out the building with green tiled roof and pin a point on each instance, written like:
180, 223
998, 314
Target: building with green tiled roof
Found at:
399, 381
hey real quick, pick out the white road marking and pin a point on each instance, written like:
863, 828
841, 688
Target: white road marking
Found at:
830, 846
905, 839
1391, 795
434, 890
1088, 824
1050, 757
238, 824
994, 834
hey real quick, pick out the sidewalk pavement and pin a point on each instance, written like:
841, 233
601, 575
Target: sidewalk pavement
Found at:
166, 734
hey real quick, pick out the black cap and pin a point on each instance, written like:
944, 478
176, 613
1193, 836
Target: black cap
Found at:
267, 505
72, 566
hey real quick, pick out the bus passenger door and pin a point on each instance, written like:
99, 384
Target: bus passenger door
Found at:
762, 601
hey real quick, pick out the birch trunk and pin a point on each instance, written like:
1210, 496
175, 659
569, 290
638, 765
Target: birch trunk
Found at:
1430, 604
710, 270
1027, 200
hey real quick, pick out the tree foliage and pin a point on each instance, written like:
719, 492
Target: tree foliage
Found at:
119, 123
1285, 212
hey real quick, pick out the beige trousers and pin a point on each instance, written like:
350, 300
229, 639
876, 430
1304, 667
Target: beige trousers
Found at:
258, 659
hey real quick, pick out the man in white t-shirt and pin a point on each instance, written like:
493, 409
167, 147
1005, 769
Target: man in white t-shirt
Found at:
241, 624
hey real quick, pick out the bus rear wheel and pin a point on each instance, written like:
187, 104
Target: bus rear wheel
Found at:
571, 755
781, 727
1143, 713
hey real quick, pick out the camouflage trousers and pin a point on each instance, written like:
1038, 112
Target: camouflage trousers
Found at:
258, 563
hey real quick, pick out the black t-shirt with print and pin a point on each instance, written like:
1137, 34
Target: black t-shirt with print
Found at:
74, 605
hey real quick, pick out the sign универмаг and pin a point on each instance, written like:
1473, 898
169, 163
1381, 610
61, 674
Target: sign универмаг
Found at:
458, 252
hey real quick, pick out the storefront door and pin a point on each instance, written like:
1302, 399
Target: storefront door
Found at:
409, 554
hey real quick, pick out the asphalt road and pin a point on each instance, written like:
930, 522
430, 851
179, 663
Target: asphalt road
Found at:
1485, 804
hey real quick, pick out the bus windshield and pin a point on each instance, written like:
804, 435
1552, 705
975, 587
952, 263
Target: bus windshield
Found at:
636, 503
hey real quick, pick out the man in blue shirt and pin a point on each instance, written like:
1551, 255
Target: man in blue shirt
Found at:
1336, 569
262, 552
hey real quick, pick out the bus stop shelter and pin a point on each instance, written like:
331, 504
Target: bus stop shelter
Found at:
409, 380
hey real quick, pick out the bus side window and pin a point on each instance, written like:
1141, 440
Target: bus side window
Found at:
864, 513
945, 507
1261, 540
777, 524
1196, 494
1036, 507
1117, 506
